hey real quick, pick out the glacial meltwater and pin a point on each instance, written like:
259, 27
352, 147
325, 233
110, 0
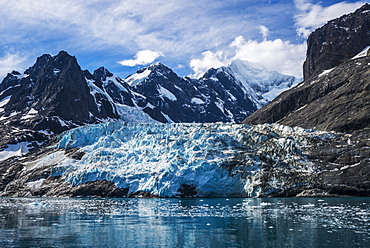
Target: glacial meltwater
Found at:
185, 222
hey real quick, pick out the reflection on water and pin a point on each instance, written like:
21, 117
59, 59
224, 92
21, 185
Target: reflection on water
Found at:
290, 222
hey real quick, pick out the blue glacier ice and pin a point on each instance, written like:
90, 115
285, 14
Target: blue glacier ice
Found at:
215, 160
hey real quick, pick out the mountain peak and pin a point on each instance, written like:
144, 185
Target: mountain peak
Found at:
56, 87
245, 63
102, 73
63, 54
154, 70
158, 66
364, 8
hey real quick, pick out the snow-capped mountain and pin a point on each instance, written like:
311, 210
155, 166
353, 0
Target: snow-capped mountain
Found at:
128, 159
226, 94
51, 96
257, 83
54, 94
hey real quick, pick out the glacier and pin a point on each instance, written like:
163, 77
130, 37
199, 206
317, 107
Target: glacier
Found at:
186, 159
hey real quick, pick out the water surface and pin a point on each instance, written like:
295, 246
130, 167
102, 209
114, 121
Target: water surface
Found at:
234, 222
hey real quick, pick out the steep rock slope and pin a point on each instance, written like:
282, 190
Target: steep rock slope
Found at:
130, 105
337, 99
337, 41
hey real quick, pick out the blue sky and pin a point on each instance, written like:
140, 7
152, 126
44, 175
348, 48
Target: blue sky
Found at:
189, 36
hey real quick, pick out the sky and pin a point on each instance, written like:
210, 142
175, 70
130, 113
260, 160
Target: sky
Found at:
189, 36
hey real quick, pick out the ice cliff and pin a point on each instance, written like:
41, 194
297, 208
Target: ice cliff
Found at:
201, 160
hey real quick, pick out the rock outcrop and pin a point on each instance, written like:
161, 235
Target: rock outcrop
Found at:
337, 41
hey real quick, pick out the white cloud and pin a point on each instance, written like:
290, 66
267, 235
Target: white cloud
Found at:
143, 57
274, 55
311, 16
264, 31
180, 29
278, 55
10, 62
208, 60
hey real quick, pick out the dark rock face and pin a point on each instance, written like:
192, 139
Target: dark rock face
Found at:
115, 87
342, 167
50, 97
337, 41
9, 84
56, 88
338, 100
101, 188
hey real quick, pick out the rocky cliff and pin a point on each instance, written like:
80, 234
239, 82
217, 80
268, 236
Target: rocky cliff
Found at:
337, 41
120, 159
336, 98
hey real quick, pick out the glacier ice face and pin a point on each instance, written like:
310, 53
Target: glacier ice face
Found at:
169, 160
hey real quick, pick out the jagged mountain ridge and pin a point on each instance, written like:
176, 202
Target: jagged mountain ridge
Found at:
52, 91
56, 90
119, 159
222, 94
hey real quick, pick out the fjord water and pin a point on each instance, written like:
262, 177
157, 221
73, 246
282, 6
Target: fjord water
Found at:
138, 222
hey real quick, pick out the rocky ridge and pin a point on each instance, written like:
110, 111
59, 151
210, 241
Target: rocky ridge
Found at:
335, 92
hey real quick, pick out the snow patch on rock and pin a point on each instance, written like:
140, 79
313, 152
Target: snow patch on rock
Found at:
12, 150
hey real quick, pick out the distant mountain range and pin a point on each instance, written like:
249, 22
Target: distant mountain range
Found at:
57, 92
